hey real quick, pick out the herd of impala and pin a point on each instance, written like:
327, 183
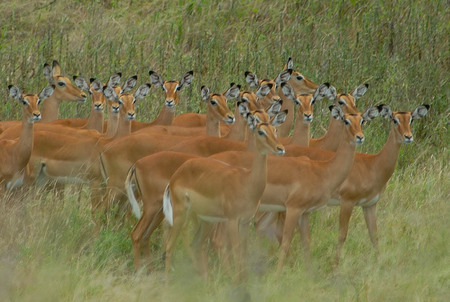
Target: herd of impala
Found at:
215, 169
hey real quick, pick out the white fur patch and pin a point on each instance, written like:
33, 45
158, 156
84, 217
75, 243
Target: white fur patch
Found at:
212, 218
132, 199
167, 206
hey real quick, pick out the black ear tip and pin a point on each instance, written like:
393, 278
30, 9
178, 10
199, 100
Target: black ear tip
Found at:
191, 72
289, 59
55, 63
232, 84
203, 87
150, 72
367, 85
246, 73
74, 77
290, 70
91, 80
327, 84
239, 86
283, 84
46, 65
120, 74
331, 107
10, 86
53, 86
285, 111
134, 77
270, 85
148, 85
380, 107
427, 106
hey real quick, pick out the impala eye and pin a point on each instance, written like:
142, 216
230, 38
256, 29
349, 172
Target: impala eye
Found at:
214, 103
396, 121
300, 78
313, 101
347, 122
61, 84
261, 132
38, 101
177, 88
341, 102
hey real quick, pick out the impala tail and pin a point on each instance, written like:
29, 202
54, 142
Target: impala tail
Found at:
167, 206
130, 192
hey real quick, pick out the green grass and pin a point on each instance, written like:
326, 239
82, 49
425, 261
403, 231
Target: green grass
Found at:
48, 248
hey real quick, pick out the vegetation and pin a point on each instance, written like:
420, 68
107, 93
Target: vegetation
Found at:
48, 249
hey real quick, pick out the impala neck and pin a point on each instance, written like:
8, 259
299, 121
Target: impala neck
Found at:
96, 120
285, 128
300, 136
239, 128
123, 128
50, 109
212, 125
113, 123
251, 142
165, 116
331, 139
258, 175
386, 159
25, 142
340, 165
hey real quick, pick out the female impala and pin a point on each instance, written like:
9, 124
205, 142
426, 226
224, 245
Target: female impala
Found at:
172, 98
371, 173
217, 192
15, 154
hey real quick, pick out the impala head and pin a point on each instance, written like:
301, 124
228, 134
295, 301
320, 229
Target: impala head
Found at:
64, 89
266, 98
306, 101
298, 81
217, 103
402, 121
354, 121
171, 88
265, 132
348, 101
31, 102
126, 101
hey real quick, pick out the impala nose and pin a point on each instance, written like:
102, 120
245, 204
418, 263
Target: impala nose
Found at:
230, 119
98, 106
409, 139
359, 140
36, 116
280, 150
308, 117
131, 115
170, 103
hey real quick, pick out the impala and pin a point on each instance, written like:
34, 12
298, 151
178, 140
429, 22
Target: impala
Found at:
371, 173
15, 154
217, 192
172, 98
305, 102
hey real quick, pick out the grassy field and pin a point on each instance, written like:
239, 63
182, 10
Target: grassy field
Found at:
48, 249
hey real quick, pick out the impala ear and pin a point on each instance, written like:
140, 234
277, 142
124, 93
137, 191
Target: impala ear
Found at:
56, 69
205, 93
274, 109
114, 80
385, 111
263, 90
243, 108
337, 113
186, 80
129, 84
420, 111
370, 114
156, 79
48, 73
279, 118
233, 91
360, 91
252, 121
251, 79
15, 92
322, 91
81, 83
289, 64
110, 93
46, 92
97, 85
288, 91
283, 76
142, 91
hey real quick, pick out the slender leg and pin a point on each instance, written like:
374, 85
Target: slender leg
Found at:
344, 218
145, 244
290, 223
371, 222
305, 237
233, 233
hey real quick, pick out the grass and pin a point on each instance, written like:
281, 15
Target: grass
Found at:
48, 249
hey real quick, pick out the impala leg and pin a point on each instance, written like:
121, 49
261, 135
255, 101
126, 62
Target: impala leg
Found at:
140, 234
96, 196
290, 223
281, 218
233, 233
222, 245
344, 218
305, 236
371, 222
145, 245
